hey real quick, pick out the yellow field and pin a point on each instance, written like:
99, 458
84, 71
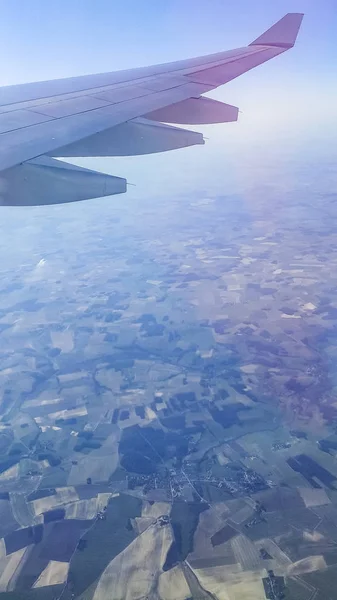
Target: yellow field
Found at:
132, 574
83, 509
63, 496
55, 573
226, 584
173, 586
155, 510
314, 497
10, 568
307, 565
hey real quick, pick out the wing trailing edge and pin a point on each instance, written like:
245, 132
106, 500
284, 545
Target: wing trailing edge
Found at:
44, 180
138, 136
196, 111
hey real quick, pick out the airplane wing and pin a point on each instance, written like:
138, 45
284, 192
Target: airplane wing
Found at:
115, 114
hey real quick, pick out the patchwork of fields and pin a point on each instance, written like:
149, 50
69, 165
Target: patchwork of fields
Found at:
167, 402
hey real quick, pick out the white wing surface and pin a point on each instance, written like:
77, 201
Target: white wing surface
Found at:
115, 114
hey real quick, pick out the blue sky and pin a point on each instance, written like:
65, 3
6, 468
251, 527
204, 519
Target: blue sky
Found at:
57, 39
290, 98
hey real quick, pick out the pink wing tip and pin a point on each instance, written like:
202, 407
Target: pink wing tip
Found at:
282, 34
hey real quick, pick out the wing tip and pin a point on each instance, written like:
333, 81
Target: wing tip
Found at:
283, 33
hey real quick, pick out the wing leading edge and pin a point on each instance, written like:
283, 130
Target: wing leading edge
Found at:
115, 114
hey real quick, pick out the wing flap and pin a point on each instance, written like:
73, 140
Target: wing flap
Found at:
45, 180
196, 111
138, 136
